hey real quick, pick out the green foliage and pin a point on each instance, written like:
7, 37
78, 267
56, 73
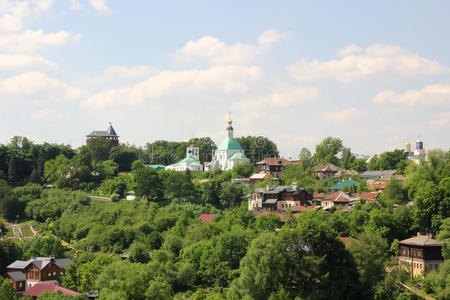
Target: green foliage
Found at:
98, 149
9, 252
305, 158
243, 170
41, 246
123, 156
327, 151
10, 206
7, 291
148, 184
258, 148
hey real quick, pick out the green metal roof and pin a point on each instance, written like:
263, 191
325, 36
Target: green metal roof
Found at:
190, 161
343, 184
238, 155
155, 167
230, 144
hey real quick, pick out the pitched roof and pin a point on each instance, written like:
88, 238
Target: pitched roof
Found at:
280, 189
19, 264
39, 262
190, 161
300, 208
421, 240
62, 262
343, 184
370, 196
207, 217
230, 144
39, 288
262, 175
17, 276
110, 132
339, 197
375, 174
322, 167
273, 161
238, 155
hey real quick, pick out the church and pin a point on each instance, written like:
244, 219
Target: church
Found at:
191, 162
228, 154
419, 154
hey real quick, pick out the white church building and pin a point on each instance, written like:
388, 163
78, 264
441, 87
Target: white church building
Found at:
228, 154
418, 154
191, 162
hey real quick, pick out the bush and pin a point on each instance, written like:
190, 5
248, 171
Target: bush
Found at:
115, 197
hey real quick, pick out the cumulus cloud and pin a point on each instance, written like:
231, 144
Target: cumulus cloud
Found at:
223, 80
37, 88
48, 115
122, 75
12, 13
342, 116
100, 6
215, 51
284, 98
20, 62
31, 41
376, 59
429, 95
76, 5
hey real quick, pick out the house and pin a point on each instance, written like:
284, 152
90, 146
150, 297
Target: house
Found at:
376, 185
207, 217
368, 196
39, 288
110, 134
191, 162
259, 177
273, 166
345, 184
380, 175
278, 197
228, 154
420, 254
337, 198
25, 274
326, 171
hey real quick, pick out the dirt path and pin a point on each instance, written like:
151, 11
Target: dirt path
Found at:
17, 231
417, 292
98, 198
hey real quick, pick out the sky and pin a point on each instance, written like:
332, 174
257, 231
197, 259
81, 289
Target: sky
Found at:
374, 73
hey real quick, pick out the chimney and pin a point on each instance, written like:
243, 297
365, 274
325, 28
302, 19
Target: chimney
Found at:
294, 185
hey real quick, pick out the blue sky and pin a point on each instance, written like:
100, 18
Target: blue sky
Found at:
375, 75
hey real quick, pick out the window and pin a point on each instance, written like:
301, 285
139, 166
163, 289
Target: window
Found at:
54, 273
436, 266
30, 274
20, 284
36, 275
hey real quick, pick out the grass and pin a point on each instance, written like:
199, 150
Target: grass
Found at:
9, 232
26, 231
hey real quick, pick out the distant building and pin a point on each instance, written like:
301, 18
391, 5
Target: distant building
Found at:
273, 166
259, 177
228, 154
420, 254
380, 175
345, 184
338, 198
25, 274
326, 171
110, 134
278, 197
191, 162
39, 288
419, 154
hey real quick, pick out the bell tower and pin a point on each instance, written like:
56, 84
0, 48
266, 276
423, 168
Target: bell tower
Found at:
230, 128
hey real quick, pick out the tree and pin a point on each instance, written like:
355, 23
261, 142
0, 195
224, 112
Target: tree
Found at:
305, 158
124, 156
258, 148
369, 254
10, 207
148, 184
7, 291
139, 253
389, 160
359, 165
245, 169
99, 149
327, 150
394, 193
347, 158
231, 195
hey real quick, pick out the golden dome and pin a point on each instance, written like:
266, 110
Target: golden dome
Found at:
408, 144
229, 122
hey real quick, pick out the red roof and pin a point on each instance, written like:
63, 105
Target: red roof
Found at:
301, 208
208, 217
370, 196
272, 161
39, 288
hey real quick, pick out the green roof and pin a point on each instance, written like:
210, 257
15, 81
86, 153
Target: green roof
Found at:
190, 161
238, 155
229, 144
155, 167
343, 184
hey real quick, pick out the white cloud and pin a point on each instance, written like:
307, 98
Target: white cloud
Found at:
122, 75
100, 6
284, 98
349, 50
429, 95
20, 62
37, 88
342, 116
441, 119
76, 5
31, 41
48, 115
217, 52
222, 80
376, 59
12, 13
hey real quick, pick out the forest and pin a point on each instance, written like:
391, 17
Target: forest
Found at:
156, 247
